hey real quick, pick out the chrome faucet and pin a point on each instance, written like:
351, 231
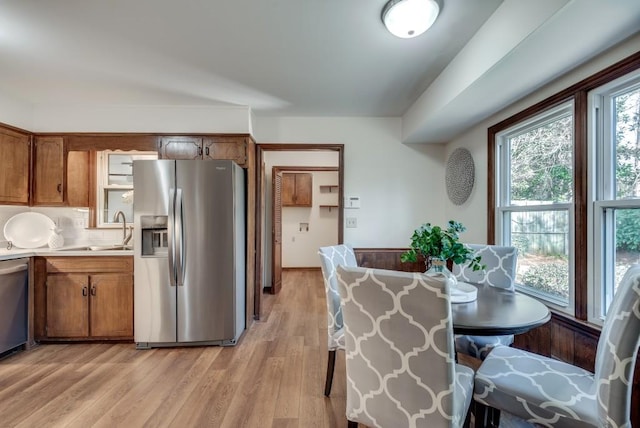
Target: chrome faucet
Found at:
126, 237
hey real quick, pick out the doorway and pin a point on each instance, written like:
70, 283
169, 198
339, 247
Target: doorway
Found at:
264, 229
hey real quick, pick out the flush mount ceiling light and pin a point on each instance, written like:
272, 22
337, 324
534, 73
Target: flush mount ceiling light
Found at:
409, 18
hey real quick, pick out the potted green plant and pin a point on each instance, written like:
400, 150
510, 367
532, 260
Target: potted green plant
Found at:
438, 245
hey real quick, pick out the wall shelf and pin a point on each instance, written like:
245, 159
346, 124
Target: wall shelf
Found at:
328, 206
328, 188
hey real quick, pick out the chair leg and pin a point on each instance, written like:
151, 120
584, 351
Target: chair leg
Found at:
351, 424
480, 413
331, 363
494, 415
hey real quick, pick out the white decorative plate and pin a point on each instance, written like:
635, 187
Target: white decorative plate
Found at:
463, 292
28, 230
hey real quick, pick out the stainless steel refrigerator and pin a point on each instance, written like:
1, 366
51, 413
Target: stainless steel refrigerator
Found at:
189, 252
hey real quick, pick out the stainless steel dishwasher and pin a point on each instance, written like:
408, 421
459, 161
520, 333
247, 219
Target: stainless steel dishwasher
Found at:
14, 281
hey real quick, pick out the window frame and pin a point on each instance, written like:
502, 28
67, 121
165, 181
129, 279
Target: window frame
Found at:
577, 92
504, 207
102, 182
602, 198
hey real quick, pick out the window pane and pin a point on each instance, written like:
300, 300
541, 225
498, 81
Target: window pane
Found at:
627, 116
120, 169
541, 164
626, 250
542, 239
117, 200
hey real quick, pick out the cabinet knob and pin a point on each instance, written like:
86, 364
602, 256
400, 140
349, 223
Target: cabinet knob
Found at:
59, 187
199, 151
93, 290
85, 291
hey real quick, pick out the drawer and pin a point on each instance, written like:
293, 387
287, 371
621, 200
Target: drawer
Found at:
90, 264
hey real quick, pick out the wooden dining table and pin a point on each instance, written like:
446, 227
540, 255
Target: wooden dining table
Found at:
497, 311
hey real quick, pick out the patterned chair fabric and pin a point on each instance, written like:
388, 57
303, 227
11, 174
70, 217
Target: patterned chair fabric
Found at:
401, 370
330, 258
500, 272
552, 393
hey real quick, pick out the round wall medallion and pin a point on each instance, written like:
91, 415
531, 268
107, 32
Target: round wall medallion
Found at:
459, 176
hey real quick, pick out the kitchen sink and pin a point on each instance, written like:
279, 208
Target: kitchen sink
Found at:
115, 247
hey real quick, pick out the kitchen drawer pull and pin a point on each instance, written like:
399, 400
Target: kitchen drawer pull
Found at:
13, 269
59, 187
206, 151
85, 291
93, 290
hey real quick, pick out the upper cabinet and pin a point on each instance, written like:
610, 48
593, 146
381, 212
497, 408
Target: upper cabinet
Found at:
208, 147
296, 189
60, 177
15, 155
48, 172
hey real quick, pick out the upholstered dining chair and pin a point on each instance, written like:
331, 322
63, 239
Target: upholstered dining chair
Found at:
401, 369
500, 272
330, 258
549, 392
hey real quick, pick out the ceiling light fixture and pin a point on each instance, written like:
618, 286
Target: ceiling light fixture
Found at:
409, 18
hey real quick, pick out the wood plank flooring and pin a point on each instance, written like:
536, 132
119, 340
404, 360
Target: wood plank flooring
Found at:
273, 378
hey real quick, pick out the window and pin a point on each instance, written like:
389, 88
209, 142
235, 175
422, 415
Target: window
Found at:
614, 117
115, 184
534, 209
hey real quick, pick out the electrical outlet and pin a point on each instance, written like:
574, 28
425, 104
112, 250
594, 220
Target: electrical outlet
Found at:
351, 222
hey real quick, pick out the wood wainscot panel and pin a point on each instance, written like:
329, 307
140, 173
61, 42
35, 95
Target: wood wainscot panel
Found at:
386, 258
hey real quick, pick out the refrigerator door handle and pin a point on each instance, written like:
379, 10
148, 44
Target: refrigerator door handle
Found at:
171, 236
179, 241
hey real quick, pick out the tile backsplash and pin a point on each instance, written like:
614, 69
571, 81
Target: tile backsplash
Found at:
72, 222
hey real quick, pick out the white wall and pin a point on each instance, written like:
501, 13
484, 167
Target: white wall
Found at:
300, 247
400, 186
122, 118
15, 113
473, 213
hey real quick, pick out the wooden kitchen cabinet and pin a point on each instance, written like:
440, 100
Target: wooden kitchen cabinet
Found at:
225, 147
15, 159
83, 298
205, 148
61, 177
48, 172
297, 189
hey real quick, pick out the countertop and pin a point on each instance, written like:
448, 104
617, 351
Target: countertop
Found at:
67, 250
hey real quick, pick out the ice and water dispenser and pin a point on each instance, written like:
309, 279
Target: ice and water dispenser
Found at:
154, 235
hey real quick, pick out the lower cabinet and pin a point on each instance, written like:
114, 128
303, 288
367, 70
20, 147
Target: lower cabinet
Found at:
83, 298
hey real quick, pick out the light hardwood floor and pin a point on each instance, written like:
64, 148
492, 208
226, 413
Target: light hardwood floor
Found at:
273, 378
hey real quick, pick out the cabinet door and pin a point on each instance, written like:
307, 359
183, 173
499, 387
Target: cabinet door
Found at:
233, 148
111, 305
78, 179
304, 190
296, 190
48, 181
67, 305
15, 152
288, 190
180, 148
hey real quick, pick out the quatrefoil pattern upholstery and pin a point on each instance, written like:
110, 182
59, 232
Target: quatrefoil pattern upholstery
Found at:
401, 370
330, 258
552, 393
500, 272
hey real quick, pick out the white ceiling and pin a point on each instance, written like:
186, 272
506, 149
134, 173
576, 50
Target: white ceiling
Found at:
290, 57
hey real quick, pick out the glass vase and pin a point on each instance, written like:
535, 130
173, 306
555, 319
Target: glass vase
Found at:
439, 266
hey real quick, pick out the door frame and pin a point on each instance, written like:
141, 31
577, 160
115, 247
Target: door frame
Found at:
261, 148
276, 271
